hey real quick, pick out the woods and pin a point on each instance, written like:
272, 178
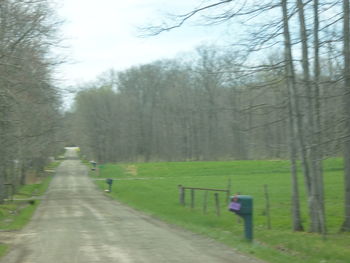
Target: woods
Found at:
163, 111
29, 101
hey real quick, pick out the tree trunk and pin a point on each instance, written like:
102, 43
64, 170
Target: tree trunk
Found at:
346, 51
317, 115
315, 198
2, 185
293, 118
296, 214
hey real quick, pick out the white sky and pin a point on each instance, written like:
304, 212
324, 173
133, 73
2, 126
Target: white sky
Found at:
102, 34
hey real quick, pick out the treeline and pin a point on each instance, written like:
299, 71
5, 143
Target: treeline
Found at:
202, 109
283, 90
29, 102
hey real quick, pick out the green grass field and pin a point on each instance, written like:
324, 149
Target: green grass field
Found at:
152, 188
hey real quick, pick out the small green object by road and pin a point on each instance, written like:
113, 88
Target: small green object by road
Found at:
152, 188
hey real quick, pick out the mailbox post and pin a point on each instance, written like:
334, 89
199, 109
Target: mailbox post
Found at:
93, 165
246, 212
109, 181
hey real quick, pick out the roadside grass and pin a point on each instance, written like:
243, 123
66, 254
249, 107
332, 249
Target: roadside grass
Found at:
14, 215
53, 165
3, 249
153, 188
32, 190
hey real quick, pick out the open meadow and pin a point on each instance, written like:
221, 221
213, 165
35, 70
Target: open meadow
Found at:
153, 188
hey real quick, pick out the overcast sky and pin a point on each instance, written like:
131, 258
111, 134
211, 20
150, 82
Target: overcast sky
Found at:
100, 35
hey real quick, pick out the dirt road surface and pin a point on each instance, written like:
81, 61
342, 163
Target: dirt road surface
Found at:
76, 223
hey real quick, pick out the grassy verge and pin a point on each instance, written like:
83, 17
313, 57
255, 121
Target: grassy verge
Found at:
3, 250
33, 190
53, 165
152, 187
14, 215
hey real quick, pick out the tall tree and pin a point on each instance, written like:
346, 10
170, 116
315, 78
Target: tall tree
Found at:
293, 117
346, 103
316, 198
30, 100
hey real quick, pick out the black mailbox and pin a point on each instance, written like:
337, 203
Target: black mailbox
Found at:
109, 181
93, 163
246, 202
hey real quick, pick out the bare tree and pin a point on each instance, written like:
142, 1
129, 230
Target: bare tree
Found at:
31, 101
293, 117
346, 54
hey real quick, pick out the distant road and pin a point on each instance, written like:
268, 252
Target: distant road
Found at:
76, 222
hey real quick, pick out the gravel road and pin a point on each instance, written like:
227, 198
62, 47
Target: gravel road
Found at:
76, 222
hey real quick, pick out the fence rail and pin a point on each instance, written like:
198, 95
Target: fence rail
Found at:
182, 196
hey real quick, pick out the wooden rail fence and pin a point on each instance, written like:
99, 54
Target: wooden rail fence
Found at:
182, 196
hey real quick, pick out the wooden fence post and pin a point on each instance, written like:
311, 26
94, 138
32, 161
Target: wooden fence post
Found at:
267, 207
228, 190
217, 204
192, 198
181, 194
205, 202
